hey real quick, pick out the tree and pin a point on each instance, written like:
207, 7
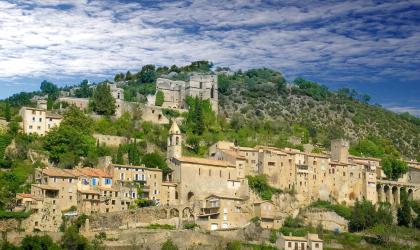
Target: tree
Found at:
147, 74
169, 245
128, 76
72, 140
160, 98
393, 167
72, 240
39, 242
199, 119
102, 101
155, 160
384, 214
7, 112
120, 156
363, 216
133, 154
84, 91
404, 217
48, 87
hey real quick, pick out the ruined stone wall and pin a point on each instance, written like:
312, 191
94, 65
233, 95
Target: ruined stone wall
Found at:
329, 219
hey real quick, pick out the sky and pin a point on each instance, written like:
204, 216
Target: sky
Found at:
370, 46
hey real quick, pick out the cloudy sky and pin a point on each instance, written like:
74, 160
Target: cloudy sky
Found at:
372, 46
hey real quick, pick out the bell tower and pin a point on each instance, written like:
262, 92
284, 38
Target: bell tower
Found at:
174, 149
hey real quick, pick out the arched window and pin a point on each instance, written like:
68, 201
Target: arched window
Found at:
176, 195
201, 85
212, 92
177, 140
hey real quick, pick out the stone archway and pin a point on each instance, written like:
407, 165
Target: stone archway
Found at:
410, 193
173, 213
187, 213
395, 195
190, 196
387, 192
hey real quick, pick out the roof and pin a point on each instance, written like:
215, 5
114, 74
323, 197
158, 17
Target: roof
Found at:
264, 201
57, 172
225, 197
91, 172
293, 238
174, 128
339, 163
247, 149
364, 158
52, 115
314, 237
88, 191
136, 166
203, 161
46, 187
23, 195
233, 154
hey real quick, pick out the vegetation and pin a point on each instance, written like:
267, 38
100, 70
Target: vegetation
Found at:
160, 98
393, 167
102, 101
364, 215
169, 245
160, 226
341, 210
190, 225
14, 215
259, 185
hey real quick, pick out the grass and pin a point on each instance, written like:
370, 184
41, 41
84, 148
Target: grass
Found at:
160, 226
14, 215
341, 210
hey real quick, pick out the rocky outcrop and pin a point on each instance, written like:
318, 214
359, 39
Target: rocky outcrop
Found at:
328, 219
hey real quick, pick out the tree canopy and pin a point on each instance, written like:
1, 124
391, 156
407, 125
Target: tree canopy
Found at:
102, 101
393, 167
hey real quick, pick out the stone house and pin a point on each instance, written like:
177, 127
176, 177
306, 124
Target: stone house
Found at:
268, 214
38, 121
310, 242
199, 85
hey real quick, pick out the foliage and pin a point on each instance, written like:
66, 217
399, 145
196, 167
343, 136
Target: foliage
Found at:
71, 239
190, 225
160, 98
234, 245
71, 140
364, 215
313, 89
84, 91
48, 87
293, 222
404, 217
170, 113
102, 101
39, 242
7, 112
160, 226
123, 126
393, 167
273, 236
141, 201
169, 245
341, 210
367, 147
14, 215
155, 160
259, 185
133, 153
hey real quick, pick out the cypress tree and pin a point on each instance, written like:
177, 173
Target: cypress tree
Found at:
199, 119
7, 112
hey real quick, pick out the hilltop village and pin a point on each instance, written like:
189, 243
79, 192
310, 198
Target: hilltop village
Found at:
216, 192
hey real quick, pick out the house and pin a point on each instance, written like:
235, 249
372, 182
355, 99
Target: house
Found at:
310, 242
38, 121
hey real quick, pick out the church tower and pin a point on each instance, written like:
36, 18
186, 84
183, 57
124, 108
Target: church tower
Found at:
174, 149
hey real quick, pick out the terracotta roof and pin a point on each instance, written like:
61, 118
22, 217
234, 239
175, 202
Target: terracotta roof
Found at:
203, 161
234, 154
57, 172
24, 195
314, 237
91, 172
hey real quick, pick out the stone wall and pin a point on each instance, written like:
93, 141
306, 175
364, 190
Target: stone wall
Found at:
329, 219
130, 218
110, 140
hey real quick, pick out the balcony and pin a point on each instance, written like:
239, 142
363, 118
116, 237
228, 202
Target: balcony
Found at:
302, 168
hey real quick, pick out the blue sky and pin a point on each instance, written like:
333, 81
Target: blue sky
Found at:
371, 46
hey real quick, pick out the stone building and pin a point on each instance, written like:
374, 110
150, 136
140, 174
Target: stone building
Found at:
310, 242
38, 121
199, 85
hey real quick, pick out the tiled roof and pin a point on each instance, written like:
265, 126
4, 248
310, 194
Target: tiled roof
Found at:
203, 161
234, 154
58, 172
91, 172
24, 195
294, 238
46, 187
52, 115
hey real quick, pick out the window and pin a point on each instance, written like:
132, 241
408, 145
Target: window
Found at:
108, 181
39, 127
33, 119
316, 245
70, 197
199, 171
177, 140
30, 127
220, 174
121, 176
94, 181
289, 244
70, 180
201, 85
40, 119
113, 202
209, 172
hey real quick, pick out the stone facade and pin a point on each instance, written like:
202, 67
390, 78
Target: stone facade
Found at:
111, 140
199, 85
38, 121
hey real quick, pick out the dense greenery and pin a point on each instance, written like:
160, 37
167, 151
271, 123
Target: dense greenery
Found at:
72, 142
169, 245
394, 168
341, 210
102, 101
160, 98
259, 185
364, 215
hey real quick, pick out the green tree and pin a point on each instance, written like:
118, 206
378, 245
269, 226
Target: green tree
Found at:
133, 154
393, 167
72, 140
169, 245
102, 101
234, 245
404, 217
155, 160
147, 74
363, 216
199, 119
7, 112
48, 87
384, 214
72, 240
128, 76
120, 155
84, 91
160, 98
39, 242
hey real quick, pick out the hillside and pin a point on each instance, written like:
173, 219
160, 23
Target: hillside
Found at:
313, 112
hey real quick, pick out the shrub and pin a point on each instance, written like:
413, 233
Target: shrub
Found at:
160, 98
160, 226
190, 226
169, 245
341, 210
14, 215
234, 245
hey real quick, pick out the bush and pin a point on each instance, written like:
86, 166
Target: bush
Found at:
234, 245
259, 185
160, 226
160, 98
169, 245
14, 215
293, 222
341, 210
190, 226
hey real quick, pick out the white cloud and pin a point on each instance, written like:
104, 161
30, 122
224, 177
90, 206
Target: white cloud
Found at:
99, 38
